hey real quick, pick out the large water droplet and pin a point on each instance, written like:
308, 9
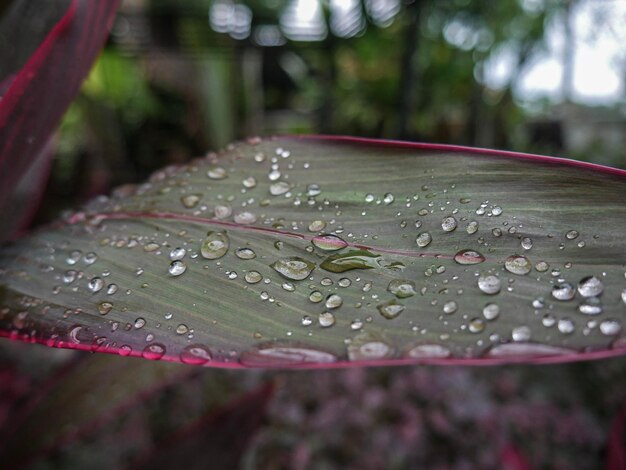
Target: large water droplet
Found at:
333, 301
317, 225
153, 351
177, 253
571, 235
401, 288
222, 211
215, 245
279, 188
316, 296
526, 349
95, 285
563, 291
423, 239
469, 257
450, 307
472, 227
252, 277
521, 334
245, 218
388, 198
177, 268
391, 309
476, 325
518, 264
294, 268
489, 284
195, 354
362, 350
353, 259
566, 326
329, 242
610, 327
590, 286
527, 243
326, 319
280, 356
191, 200
491, 311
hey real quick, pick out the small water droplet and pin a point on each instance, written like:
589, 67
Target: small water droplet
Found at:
563, 291
329, 242
195, 354
542, 266
249, 182
518, 264
279, 188
95, 285
489, 284
450, 307
73, 257
326, 319
317, 226
253, 277
356, 325
401, 288
590, 306
215, 245
333, 301
313, 190
353, 259
177, 268
177, 254
468, 257
344, 282
90, 258
527, 243
216, 173
571, 235
566, 326
497, 210
448, 224
388, 198
369, 197
521, 334
104, 307
190, 201
245, 253
472, 227
496, 232
293, 268
491, 311
423, 239
139, 323
624, 296
590, 286
153, 351
391, 309
425, 351
245, 218
222, 211
476, 325
610, 327
112, 289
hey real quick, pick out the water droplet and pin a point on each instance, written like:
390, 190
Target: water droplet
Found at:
497, 210
369, 197
150, 247
329, 242
518, 264
69, 276
73, 257
472, 227
195, 354
259, 157
313, 190
190, 201
388, 198
610, 327
571, 235
177, 268
489, 284
125, 350
215, 245
468, 257
316, 296
181, 329
216, 173
279, 188
425, 351
363, 351
222, 211
538, 303
542, 266
566, 326
356, 325
245, 218
590, 306
307, 320
90, 258
95, 285
450, 307
491, 311
563, 291
527, 349
153, 351
317, 226
245, 253
448, 224
288, 286
139, 323
326, 319
423, 239
476, 325
104, 307
521, 334
527, 243
293, 268
177, 254
112, 289
277, 356
249, 182
391, 309
252, 277
353, 259
590, 286
333, 301
401, 288
496, 232
624, 296
344, 282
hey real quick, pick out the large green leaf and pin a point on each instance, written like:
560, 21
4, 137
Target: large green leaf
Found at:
321, 252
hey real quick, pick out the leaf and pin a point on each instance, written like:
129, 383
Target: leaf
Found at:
313, 252
29, 111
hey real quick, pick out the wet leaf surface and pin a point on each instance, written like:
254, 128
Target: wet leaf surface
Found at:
374, 254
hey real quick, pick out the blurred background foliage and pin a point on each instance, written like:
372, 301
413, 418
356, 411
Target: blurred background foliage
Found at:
177, 79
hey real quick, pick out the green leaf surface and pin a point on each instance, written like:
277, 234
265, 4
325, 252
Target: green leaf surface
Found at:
306, 252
